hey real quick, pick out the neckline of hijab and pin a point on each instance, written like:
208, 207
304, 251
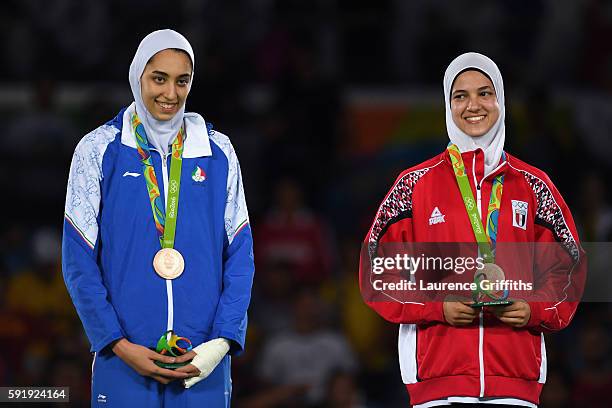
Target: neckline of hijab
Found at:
160, 133
492, 142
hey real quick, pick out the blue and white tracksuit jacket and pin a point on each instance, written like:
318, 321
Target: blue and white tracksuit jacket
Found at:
110, 240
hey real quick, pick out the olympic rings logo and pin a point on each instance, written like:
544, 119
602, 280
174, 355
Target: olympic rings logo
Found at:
173, 186
469, 203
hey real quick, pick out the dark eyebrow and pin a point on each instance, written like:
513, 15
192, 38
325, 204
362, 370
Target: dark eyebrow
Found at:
166, 75
482, 88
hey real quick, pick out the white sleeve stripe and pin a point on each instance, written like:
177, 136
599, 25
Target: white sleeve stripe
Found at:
407, 352
544, 361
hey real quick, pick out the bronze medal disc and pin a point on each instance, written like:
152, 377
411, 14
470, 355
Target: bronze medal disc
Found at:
493, 273
168, 263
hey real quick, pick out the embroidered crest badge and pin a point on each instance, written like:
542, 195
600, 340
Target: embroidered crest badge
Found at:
519, 214
198, 175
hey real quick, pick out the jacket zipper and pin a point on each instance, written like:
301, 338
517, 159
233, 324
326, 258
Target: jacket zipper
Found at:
480, 314
164, 163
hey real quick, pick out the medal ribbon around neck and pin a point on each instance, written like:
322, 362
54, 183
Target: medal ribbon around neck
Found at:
165, 221
486, 238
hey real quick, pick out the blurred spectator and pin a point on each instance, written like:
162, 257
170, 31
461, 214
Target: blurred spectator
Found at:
40, 291
37, 141
41, 129
307, 355
535, 138
271, 56
556, 392
286, 396
292, 234
36, 311
247, 387
36, 357
543, 132
594, 120
596, 63
594, 220
3, 371
64, 371
373, 339
595, 212
366, 331
13, 330
593, 382
273, 295
14, 250
3, 333
558, 41
310, 105
68, 28
342, 392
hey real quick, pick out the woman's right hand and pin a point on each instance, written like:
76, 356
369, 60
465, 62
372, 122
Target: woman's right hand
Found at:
459, 313
142, 360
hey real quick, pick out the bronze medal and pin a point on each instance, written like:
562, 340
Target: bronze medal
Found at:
493, 273
168, 263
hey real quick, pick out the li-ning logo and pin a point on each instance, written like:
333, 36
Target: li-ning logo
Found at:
198, 175
436, 217
129, 173
102, 398
519, 214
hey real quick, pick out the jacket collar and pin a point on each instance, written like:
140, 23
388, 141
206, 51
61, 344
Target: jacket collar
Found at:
197, 143
475, 158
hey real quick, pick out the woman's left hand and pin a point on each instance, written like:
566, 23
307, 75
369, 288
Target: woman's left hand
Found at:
204, 359
516, 315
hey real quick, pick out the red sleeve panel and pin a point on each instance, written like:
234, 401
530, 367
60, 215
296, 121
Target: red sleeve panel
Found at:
394, 224
565, 264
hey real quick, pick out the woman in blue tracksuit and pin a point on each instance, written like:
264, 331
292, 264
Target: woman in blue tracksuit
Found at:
157, 243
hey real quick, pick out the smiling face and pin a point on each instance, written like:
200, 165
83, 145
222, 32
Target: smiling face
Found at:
474, 104
164, 84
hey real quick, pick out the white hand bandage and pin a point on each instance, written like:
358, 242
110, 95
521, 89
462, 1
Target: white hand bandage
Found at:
208, 356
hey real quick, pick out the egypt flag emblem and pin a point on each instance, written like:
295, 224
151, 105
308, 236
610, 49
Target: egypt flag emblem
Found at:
519, 214
198, 174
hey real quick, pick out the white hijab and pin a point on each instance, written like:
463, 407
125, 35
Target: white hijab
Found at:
159, 132
492, 142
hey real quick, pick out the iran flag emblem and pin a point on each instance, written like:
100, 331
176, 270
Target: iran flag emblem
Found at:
198, 175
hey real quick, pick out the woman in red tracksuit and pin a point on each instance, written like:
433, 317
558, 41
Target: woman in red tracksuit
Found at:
451, 353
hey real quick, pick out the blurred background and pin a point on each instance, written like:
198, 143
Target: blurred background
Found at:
325, 102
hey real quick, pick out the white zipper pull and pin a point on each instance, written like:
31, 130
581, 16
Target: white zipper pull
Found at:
476, 184
164, 160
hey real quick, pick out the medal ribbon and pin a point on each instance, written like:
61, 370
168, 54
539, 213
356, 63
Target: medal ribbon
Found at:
165, 221
486, 238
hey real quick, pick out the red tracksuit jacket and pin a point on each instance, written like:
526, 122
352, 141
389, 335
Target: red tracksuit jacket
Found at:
487, 358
